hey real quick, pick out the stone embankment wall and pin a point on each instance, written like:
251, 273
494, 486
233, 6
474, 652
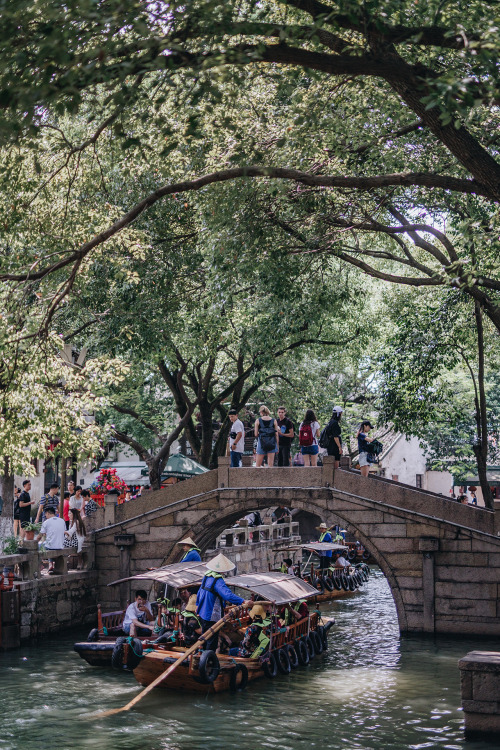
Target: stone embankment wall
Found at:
480, 687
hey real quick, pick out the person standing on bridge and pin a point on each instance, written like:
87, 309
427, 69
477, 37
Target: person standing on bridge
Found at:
236, 439
363, 440
191, 551
266, 431
213, 595
286, 435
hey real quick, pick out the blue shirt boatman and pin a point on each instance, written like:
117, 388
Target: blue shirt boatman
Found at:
214, 595
325, 536
191, 551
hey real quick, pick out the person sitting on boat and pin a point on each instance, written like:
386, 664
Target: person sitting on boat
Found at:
325, 558
191, 625
213, 596
256, 638
292, 612
138, 616
287, 566
185, 595
191, 551
341, 562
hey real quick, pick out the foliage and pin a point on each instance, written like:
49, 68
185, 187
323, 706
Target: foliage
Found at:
11, 545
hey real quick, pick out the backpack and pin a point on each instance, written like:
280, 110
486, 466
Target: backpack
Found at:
267, 436
374, 448
306, 436
325, 439
257, 521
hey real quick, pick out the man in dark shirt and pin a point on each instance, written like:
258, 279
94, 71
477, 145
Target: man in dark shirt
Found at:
334, 447
286, 435
281, 513
50, 500
25, 503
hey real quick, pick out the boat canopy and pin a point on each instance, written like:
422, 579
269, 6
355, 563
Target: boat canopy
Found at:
179, 575
319, 547
278, 588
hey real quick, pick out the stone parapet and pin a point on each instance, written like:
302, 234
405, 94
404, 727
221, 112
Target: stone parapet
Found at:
480, 688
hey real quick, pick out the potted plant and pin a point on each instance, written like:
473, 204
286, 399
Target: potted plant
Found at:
30, 529
10, 547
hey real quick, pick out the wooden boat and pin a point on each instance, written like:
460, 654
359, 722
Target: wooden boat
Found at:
331, 583
107, 643
288, 648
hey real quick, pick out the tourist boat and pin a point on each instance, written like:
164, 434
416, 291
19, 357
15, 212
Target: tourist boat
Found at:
107, 643
331, 583
288, 648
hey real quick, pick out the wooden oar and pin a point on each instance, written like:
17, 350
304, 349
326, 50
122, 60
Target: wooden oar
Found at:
163, 676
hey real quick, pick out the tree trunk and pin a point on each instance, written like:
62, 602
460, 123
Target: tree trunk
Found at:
206, 420
481, 444
7, 489
155, 469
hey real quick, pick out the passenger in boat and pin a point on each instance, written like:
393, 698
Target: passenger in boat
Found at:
341, 562
191, 624
191, 551
325, 558
138, 616
296, 611
256, 638
213, 596
287, 566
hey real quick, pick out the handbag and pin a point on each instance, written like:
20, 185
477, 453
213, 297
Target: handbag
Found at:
70, 541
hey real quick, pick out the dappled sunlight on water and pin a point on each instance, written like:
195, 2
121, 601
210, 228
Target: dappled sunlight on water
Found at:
372, 691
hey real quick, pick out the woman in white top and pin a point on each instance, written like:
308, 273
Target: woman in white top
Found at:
308, 438
77, 527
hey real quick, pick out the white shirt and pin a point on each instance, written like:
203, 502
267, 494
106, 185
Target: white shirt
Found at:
237, 426
134, 613
342, 561
76, 502
54, 529
314, 428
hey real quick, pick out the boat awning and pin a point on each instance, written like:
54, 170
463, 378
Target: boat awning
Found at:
319, 547
179, 575
278, 588
492, 477
182, 467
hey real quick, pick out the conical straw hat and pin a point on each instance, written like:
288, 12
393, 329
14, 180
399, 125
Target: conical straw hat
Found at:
220, 564
191, 605
187, 540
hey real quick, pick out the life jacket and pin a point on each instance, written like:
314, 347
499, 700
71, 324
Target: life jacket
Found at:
187, 615
296, 607
193, 549
339, 538
263, 639
323, 535
284, 568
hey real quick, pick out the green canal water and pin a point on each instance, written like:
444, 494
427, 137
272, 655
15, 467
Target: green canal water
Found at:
373, 690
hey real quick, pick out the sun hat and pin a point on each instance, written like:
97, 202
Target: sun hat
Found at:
322, 526
220, 564
191, 605
258, 610
338, 409
187, 540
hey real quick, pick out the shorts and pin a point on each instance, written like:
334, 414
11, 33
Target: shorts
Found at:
363, 459
309, 450
139, 631
260, 452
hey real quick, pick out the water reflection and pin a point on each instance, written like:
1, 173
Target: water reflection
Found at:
373, 690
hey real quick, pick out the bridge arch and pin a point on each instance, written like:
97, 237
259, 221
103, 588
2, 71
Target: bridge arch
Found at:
441, 560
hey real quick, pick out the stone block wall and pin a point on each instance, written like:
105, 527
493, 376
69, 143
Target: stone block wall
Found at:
480, 688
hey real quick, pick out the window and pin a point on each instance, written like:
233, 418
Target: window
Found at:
419, 478
395, 477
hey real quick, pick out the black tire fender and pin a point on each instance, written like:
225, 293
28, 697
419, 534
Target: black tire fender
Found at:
344, 581
352, 583
93, 635
117, 655
337, 582
352, 554
317, 642
323, 636
328, 583
208, 667
319, 583
302, 652
241, 685
310, 646
292, 656
134, 654
270, 667
366, 555
282, 661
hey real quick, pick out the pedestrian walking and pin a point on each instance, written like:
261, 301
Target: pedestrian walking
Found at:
17, 523
363, 440
266, 432
236, 440
331, 437
286, 435
25, 503
308, 438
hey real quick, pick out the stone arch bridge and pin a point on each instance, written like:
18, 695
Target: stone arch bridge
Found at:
441, 559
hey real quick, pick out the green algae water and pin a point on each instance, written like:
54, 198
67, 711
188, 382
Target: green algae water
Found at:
372, 690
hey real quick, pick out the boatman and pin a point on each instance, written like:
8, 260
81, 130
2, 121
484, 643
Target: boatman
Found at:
191, 551
213, 596
325, 536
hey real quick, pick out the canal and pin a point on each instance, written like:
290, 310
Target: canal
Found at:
372, 690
